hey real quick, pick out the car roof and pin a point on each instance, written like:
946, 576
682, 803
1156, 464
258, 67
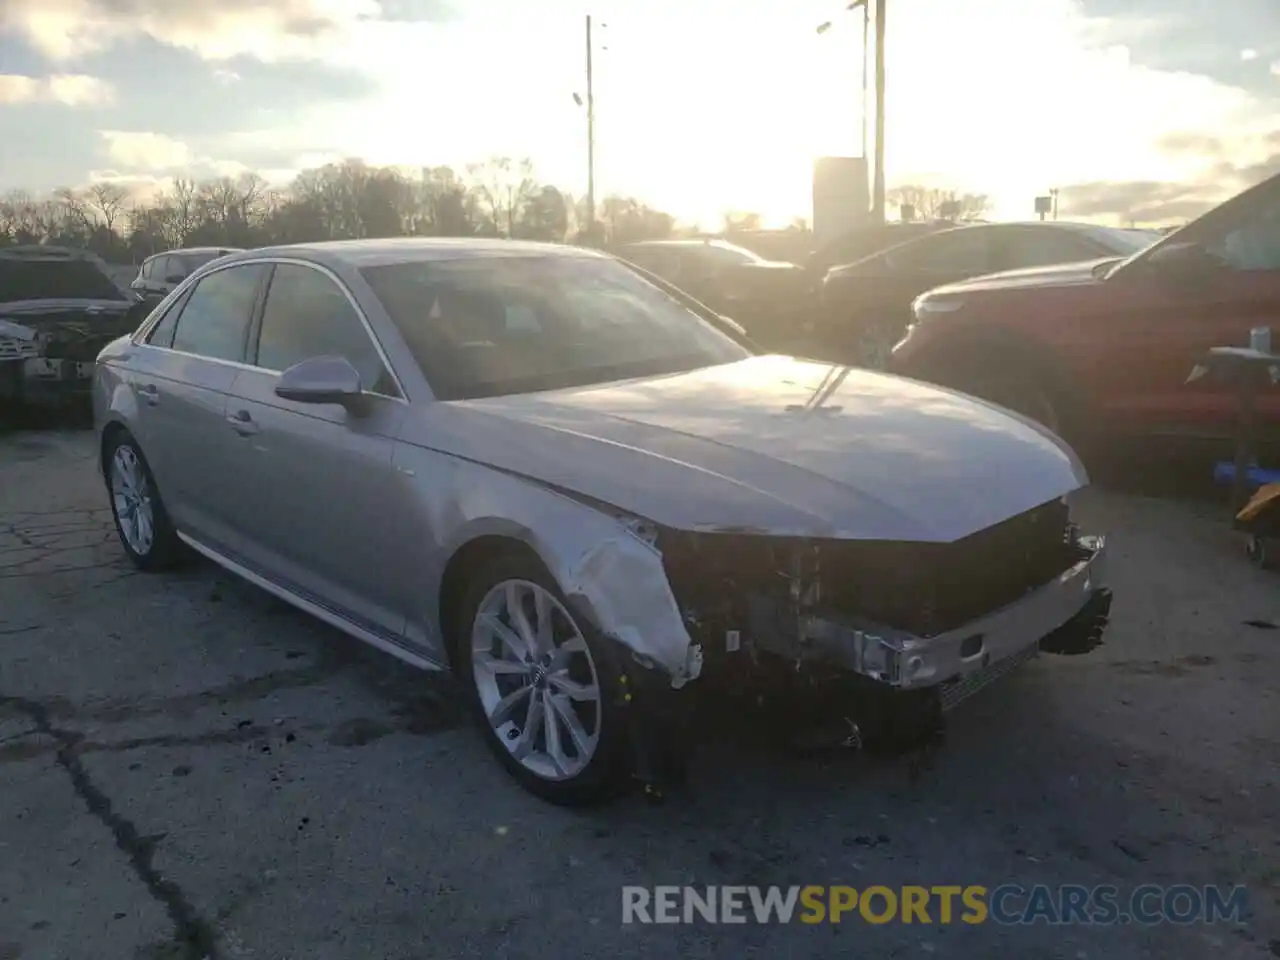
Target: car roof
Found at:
43, 251
688, 242
373, 253
181, 250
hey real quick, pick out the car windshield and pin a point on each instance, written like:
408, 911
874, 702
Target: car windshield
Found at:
55, 279
1126, 242
493, 326
723, 252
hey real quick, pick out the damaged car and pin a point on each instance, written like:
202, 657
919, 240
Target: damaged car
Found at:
58, 308
588, 497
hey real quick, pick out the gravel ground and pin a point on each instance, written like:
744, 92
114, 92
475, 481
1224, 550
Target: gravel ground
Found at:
192, 769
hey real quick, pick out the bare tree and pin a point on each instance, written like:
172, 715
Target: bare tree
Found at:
933, 203
77, 208
108, 199
504, 187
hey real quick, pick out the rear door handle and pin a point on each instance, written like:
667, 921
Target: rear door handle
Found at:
242, 423
151, 393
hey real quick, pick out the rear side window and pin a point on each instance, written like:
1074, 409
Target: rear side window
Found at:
214, 322
963, 251
307, 314
1031, 247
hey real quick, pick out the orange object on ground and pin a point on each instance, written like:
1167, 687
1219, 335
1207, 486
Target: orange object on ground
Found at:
1267, 498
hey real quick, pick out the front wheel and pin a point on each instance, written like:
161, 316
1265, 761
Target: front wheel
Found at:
543, 685
1021, 395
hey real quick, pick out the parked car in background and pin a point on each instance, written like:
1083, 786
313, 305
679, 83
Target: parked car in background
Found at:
530, 465
865, 307
1102, 349
762, 295
865, 240
161, 272
59, 306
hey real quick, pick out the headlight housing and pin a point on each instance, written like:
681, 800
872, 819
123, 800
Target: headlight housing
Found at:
926, 306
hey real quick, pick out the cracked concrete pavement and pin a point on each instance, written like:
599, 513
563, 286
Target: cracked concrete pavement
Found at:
188, 768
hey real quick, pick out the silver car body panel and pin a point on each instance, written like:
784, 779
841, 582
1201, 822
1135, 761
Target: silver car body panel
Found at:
356, 520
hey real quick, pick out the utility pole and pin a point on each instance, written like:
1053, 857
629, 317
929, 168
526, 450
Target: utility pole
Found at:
877, 193
866, 27
591, 137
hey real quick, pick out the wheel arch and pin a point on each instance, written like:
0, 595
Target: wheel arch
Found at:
956, 361
469, 557
110, 431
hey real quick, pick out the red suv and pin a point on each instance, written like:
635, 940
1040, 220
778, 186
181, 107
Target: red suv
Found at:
1103, 349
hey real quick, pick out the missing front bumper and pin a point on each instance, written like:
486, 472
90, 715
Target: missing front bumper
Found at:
906, 662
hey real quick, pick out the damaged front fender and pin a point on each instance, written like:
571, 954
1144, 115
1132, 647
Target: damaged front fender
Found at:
605, 562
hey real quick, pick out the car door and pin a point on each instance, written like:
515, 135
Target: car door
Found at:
1173, 314
315, 483
180, 375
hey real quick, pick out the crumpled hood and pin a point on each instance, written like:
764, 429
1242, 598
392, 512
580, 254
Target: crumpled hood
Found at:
1058, 275
772, 445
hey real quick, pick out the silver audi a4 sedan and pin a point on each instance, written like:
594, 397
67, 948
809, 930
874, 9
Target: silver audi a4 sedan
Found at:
587, 495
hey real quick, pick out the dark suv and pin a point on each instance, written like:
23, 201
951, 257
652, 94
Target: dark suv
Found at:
161, 272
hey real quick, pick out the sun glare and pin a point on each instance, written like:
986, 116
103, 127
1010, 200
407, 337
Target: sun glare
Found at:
713, 106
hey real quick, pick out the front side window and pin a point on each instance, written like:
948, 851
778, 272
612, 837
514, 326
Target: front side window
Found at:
307, 314
214, 322
491, 326
1253, 244
161, 334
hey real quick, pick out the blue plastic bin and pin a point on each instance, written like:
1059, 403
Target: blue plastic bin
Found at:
1224, 472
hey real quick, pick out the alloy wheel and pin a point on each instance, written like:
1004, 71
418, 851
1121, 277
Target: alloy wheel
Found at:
536, 679
132, 497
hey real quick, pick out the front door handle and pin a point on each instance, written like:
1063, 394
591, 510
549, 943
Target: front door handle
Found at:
151, 393
242, 423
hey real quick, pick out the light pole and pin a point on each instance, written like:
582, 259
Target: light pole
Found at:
591, 130
877, 191
591, 136
866, 26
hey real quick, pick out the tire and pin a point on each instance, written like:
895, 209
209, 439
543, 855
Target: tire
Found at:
591, 766
1033, 400
136, 506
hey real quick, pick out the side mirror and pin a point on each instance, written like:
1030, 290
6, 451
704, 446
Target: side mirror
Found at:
321, 380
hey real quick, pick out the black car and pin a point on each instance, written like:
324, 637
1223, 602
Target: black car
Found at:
862, 241
161, 272
761, 295
58, 307
864, 307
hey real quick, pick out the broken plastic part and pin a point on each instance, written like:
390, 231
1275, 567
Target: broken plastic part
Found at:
621, 584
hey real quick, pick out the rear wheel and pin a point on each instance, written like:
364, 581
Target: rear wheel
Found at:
142, 523
543, 685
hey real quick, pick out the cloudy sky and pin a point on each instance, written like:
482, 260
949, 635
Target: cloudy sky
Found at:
1136, 109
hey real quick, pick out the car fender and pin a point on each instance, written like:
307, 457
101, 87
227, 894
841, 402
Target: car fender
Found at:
604, 561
